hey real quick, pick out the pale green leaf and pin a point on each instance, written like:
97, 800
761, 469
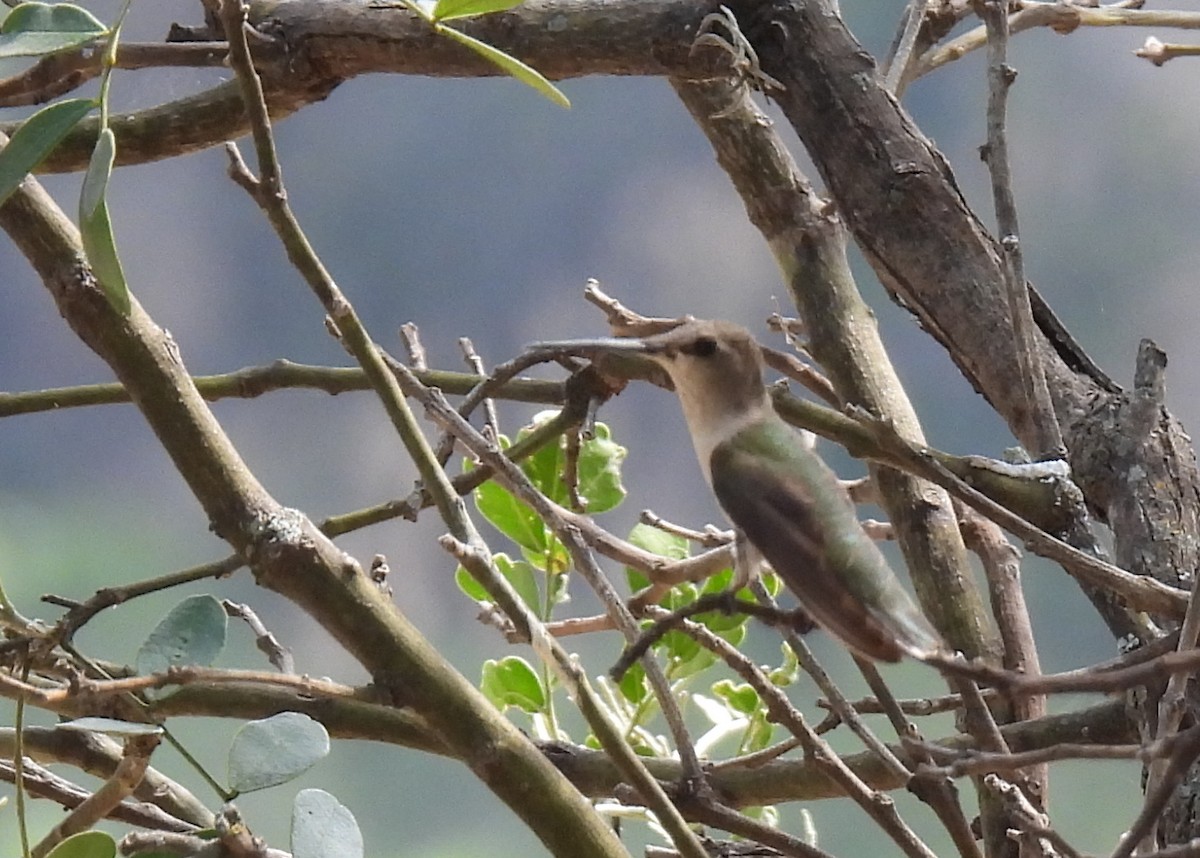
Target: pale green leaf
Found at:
36, 138
322, 827
511, 517
275, 750
656, 541
95, 228
85, 844
512, 682
448, 10
100, 167
523, 579
193, 633
509, 64
33, 29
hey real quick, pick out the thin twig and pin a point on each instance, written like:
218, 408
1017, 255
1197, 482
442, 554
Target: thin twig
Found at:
902, 56
1148, 593
956, 764
1062, 17
491, 423
410, 336
1114, 680
1002, 569
269, 192
565, 526
1040, 432
254, 381
1142, 830
1160, 52
782, 711
569, 672
113, 791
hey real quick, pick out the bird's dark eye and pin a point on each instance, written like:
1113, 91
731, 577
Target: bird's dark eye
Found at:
702, 347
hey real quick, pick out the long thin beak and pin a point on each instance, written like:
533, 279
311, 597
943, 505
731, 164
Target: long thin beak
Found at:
591, 348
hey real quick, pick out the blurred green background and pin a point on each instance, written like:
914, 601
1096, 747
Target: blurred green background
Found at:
476, 208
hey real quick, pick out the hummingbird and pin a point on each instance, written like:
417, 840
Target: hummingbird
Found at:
786, 505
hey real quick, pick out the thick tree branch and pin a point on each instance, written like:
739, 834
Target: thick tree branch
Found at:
311, 46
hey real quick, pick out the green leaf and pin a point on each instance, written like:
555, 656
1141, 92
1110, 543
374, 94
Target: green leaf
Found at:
95, 181
192, 633
700, 661
85, 844
111, 726
509, 64
512, 682
467, 583
788, 672
680, 596
275, 750
36, 139
511, 517
322, 827
740, 697
600, 461
448, 10
33, 29
546, 465
633, 685
523, 579
758, 735
519, 574
553, 559
95, 228
656, 541
680, 647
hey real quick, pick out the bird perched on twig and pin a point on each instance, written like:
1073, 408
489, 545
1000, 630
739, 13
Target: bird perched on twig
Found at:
784, 502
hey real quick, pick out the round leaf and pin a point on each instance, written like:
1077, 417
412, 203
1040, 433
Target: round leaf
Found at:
322, 827
32, 29
512, 682
274, 750
192, 633
85, 844
600, 461
523, 579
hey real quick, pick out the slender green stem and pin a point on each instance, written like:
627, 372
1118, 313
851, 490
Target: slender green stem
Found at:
110, 62
19, 769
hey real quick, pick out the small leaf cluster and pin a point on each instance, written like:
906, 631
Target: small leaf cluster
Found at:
264, 753
39, 29
734, 713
